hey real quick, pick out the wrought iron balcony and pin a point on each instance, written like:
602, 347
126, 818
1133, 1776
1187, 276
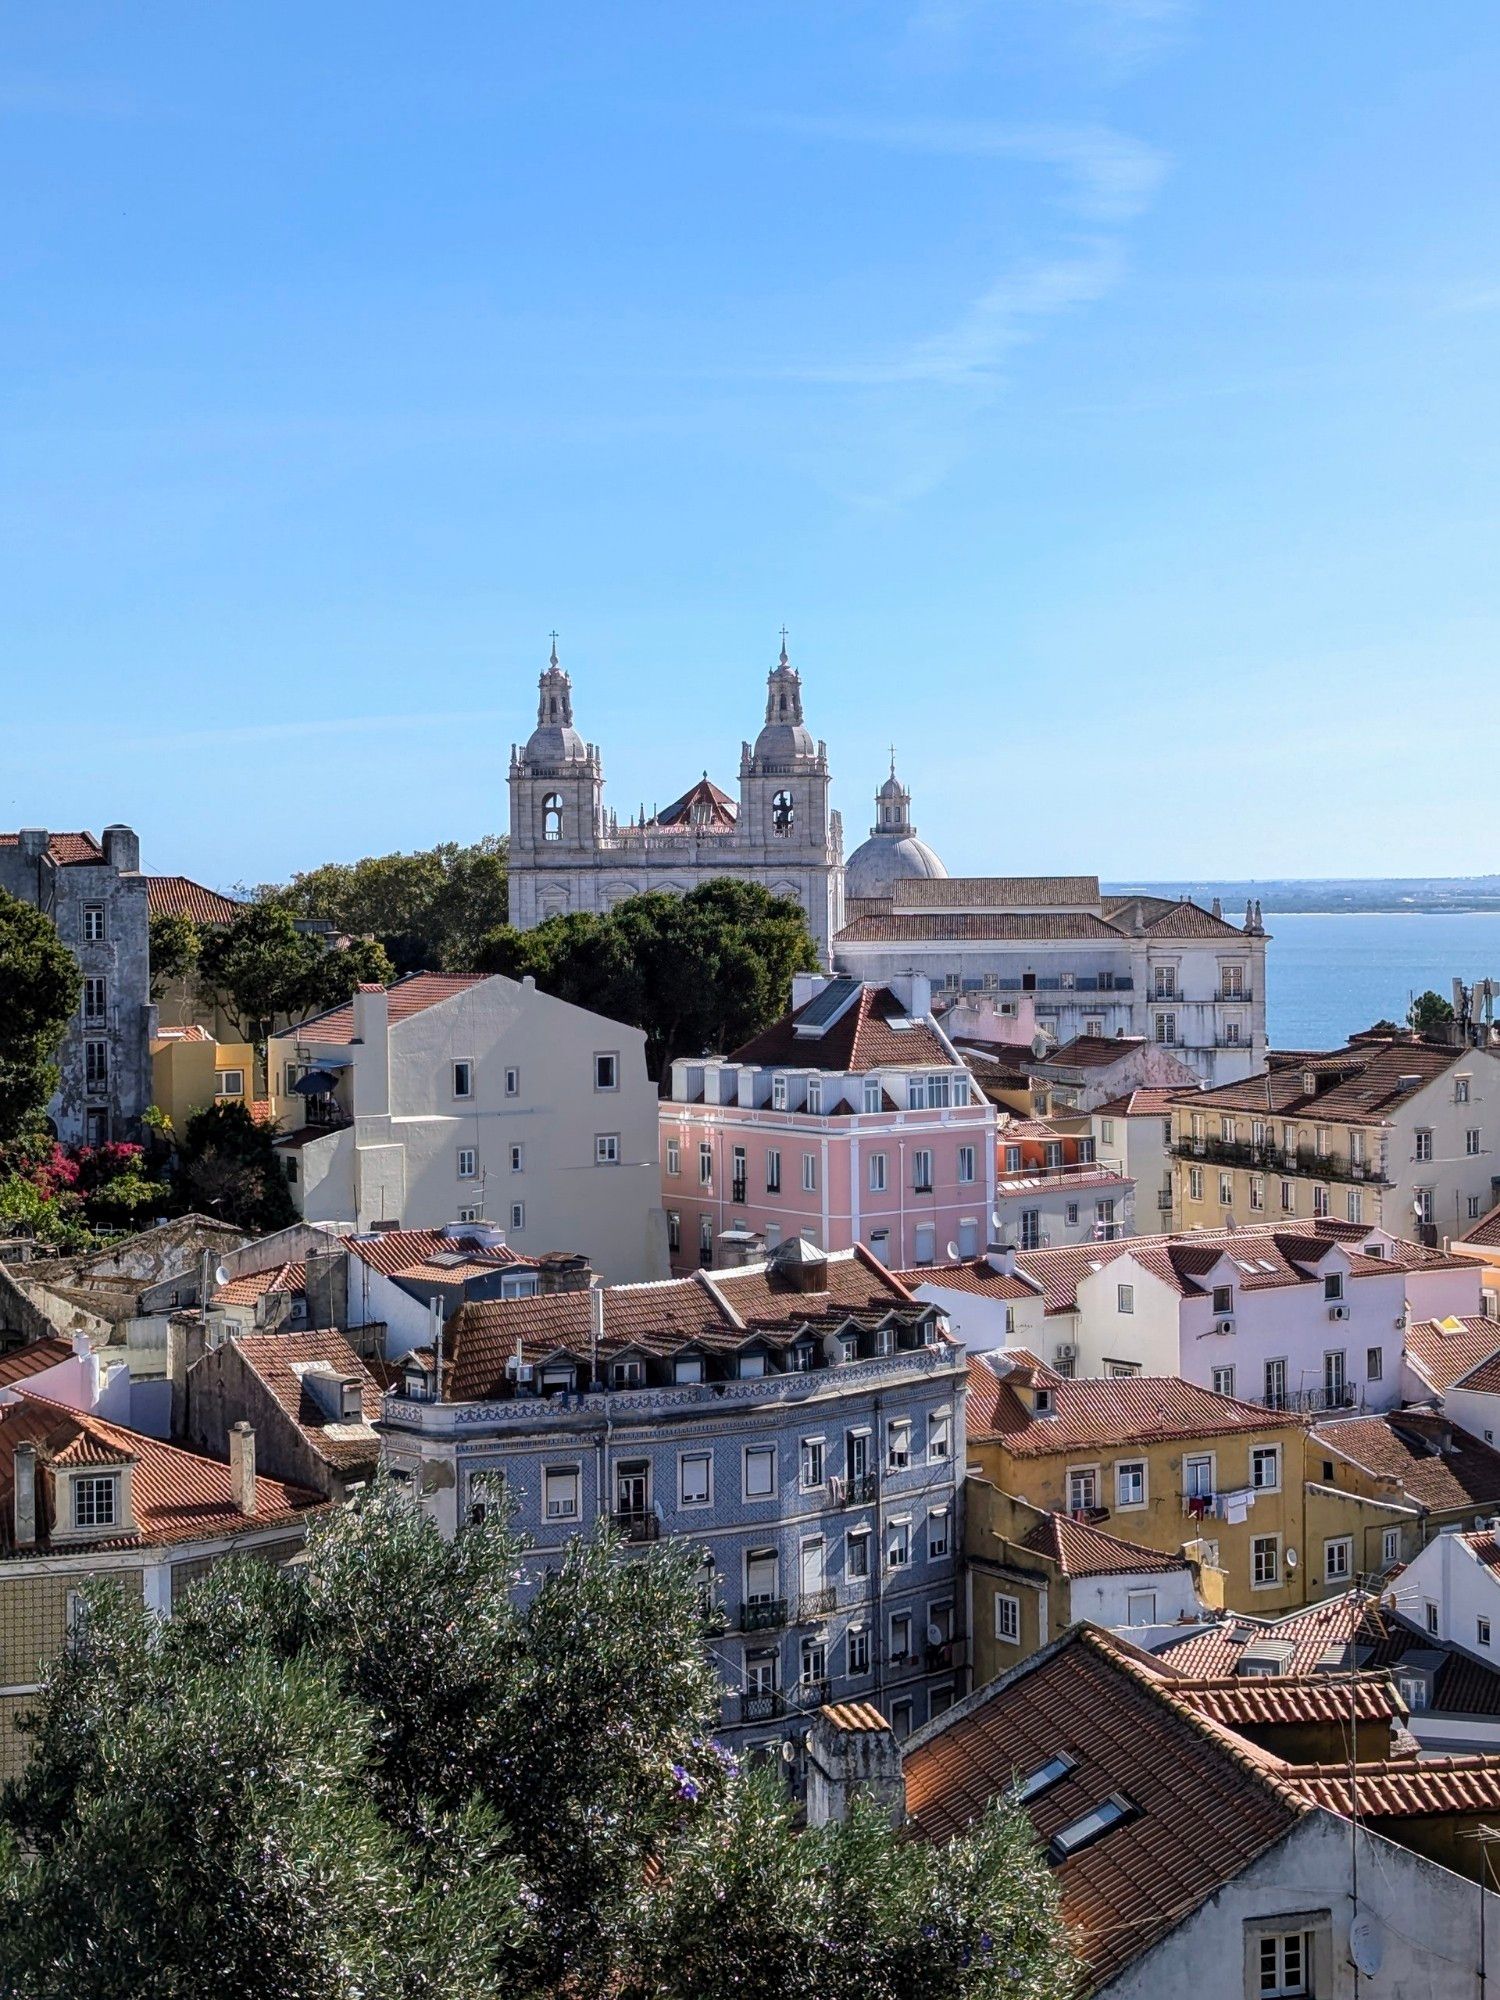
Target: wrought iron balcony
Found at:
1305, 1160
761, 1704
816, 1603
637, 1525
857, 1490
810, 1694
763, 1614
1317, 1402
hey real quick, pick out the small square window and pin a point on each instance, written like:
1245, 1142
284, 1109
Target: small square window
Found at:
513, 1083
518, 1215
1125, 1298
606, 1149
96, 1501
463, 1079
1007, 1618
468, 1163
606, 1072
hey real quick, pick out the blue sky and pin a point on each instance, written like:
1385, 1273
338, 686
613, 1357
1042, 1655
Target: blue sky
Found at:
1106, 393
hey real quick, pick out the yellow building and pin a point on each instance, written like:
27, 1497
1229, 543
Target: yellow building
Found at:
190, 1071
1033, 1573
1155, 1460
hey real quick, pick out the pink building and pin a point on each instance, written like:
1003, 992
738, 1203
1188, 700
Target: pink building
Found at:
852, 1120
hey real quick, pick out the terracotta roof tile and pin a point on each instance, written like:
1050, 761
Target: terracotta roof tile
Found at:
410, 995
701, 805
941, 926
1082, 1550
1091, 1052
1150, 1102
1106, 1411
32, 1359
1486, 1231
1252, 1701
248, 1291
1359, 1084
864, 1037
403, 1253
66, 850
1403, 1788
1204, 1807
975, 1276
857, 1717
281, 1360
180, 896
1445, 1350
1430, 1461
996, 892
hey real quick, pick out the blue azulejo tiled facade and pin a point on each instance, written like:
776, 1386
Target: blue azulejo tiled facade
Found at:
825, 1504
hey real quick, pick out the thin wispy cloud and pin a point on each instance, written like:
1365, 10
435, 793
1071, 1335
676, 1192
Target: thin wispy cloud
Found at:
1012, 311
1116, 36
1107, 175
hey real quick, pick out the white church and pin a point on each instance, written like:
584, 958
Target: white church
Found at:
1088, 964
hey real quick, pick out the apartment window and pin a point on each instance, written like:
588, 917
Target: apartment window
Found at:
1471, 1141
939, 1436
468, 1163
1052, 1155
1224, 1381
1231, 982
773, 1170
1356, 1146
1031, 1228
1482, 1631
1070, 1214
809, 1173
513, 1083
877, 1173
1195, 1183
1130, 1483
880, 1245
921, 1171
674, 1157
93, 923
1226, 1190
1275, 1385
1265, 1561
1265, 1468
1288, 1198
1257, 1192
898, 1444
900, 1637
607, 1072
1106, 1131
760, 1472
857, 1656
937, 1534
606, 1149
1333, 1286
1012, 1159
687, 1368
857, 1555
468, 1215
1431, 1613
1338, 1558
1083, 1490
1007, 1618
1474, 1208
1390, 1546
1164, 982
96, 1065
463, 1079
965, 1164
814, 1093
674, 1230
560, 1492
1461, 1089
518, 1215
1320, 1202
778, 1093
1284, 1965
1424, 1144
898, 1545
1228, 1131
1422, 1199
1223, 1300
694, 1479
1140, 1607
1198, 1478
814, 1662
813, 1473
94, 997
1374, 1364
1166, 1030
96, 1500
737, 1183
1335, 1381
517, 1159
229, 1083
1354, 1204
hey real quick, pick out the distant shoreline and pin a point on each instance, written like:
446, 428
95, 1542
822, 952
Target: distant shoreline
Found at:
1393, 910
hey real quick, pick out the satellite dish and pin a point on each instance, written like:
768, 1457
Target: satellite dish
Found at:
1416, 1208
996, 1224
1291, 1558
1039, 1046
952, 1253
934, 1635
1366, 1946
788, 1751
221, 1275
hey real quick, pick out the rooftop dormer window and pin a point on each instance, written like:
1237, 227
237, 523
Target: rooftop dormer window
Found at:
629, 1374
752, 1365
849, 1347
96, 1500
872, 1093
1042, 1407
778, 1092
1093, 1825
815, 1093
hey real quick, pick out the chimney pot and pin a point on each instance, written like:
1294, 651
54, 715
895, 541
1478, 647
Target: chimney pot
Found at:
242, 1467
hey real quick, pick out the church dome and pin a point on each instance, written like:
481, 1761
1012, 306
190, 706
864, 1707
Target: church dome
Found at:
555, 740
784, 739
893, 852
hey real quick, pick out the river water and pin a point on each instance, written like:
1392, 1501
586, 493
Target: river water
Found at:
1327, 976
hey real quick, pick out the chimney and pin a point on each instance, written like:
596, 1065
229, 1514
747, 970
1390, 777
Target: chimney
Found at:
242, 1466
852, 1751
596, 1334
351, 1400
24, 1461
1001, 1258
122, 849
186, 1343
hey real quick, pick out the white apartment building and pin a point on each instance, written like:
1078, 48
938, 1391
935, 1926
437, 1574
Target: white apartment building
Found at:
461, 1098
1133, 1134
1091, 965
1449, 1595
1295, 1319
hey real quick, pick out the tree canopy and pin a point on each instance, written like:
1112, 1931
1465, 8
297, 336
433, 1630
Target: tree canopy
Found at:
384, 1773
174, 950
227, 1167
261, 969
430, 910
40, 984
1430, 1014
704, 971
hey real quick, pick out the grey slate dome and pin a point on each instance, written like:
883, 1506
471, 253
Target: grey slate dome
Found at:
555, 740
893, 852
785, 739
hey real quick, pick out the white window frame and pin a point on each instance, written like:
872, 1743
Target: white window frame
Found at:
518, 1215
809, 1173
674, 1156
1127, 1469
463, 1078
898, 1444
1271, 1579
939, 1534
512, 1082
877, 1173
939, 1437
606, 1149
763, 1455
562, 1512
1259, 1454
812, 1464
468, 1163
965, 1165
1338, 1558
1007, 1618
606, 1069
229, 1083
96, 1499
695, 1458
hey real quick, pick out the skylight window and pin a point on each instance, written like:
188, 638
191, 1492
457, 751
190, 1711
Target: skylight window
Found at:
1043, 1777
1266, 1265
1093, 1826
1249, 1268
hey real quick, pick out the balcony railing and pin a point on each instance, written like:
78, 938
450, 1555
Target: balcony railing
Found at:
857, 1490
763, 1614
947, 1653
637, 1525
1317, 1402
816, 1603
1277, 1160
810, 1694
1164, 1199
761, 1704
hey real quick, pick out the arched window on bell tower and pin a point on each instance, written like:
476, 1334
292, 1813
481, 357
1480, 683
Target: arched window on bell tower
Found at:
552, 816
783, 813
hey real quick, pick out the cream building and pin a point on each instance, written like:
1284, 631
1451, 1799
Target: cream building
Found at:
461, 1098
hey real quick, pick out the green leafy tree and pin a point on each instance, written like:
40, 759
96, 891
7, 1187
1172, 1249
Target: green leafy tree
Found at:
1430, 1014
1382, 1028
174, 951
361, 962
430, 910
39, 989
702, 971
260, 969
227, 1167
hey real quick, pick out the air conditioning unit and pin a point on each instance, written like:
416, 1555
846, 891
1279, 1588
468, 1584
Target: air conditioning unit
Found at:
1223, 1326
1338, 1312
1065, 1351
1400, 1322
